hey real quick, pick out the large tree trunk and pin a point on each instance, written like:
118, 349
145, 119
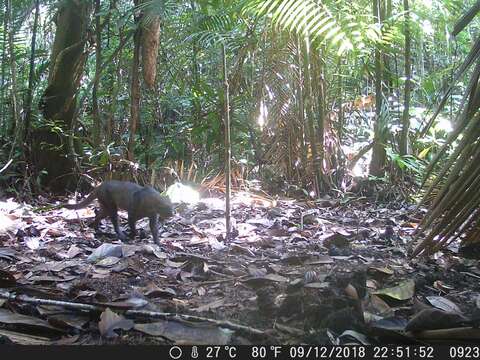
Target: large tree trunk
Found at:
408, 75
51, 150
150, 43
377, 165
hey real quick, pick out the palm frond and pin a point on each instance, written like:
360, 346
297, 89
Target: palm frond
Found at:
454, 212
313, 19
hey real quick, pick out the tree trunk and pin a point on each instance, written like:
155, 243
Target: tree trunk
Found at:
319, 85
150, 41
135, 90
195, 77
228, 152
310, 122
116, 81
3, 108
301, 109
340, 159
97, 122
377, 165
386, 13
51, 150
408, 75
13, 73
28, 99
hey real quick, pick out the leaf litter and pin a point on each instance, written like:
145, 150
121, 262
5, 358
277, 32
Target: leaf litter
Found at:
325, 272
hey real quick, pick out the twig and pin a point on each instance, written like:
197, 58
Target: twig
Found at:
210, 282
200, 257
47, 208
129, 313
6, 166
183, 317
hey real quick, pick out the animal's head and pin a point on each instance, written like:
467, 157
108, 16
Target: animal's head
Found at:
165, 207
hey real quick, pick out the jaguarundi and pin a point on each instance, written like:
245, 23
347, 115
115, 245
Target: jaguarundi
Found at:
139, 201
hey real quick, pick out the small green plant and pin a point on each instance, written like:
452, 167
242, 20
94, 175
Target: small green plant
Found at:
405, 162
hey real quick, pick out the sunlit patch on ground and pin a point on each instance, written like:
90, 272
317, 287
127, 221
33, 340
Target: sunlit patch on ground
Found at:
179, 193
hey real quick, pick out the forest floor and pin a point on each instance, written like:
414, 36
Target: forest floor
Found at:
296, 272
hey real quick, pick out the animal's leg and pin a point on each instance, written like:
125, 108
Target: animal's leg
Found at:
131, 222
154, 228
99, 215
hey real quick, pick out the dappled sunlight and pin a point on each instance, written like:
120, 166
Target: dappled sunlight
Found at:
427, 28
249, 199
7, 222
443, 124
214, 203
361, 167
262, 117
9, 205
180, 193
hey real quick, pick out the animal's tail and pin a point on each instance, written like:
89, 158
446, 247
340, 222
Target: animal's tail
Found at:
89, 199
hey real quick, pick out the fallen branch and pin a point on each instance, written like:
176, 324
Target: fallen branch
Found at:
129, 313
464, 333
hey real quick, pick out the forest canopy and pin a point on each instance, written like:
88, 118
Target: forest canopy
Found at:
323, 97
308, 170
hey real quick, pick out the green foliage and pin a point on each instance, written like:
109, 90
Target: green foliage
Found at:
315, 20
181, 118
405, 162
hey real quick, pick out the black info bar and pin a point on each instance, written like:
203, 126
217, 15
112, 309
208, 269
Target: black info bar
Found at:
253, 352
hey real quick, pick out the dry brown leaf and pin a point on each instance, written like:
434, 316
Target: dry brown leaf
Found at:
110, 321
213, 305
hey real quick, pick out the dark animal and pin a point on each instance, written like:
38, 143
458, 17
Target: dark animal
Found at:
138, 201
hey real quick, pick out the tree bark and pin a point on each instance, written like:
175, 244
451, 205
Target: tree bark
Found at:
408, 75
135, 90
341, 115
386, 13
195, 77
377, 164
301, 109
150, 41
4, 110
28, 99
310, 122
319, 85
14, 122
52, 148
97, 121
